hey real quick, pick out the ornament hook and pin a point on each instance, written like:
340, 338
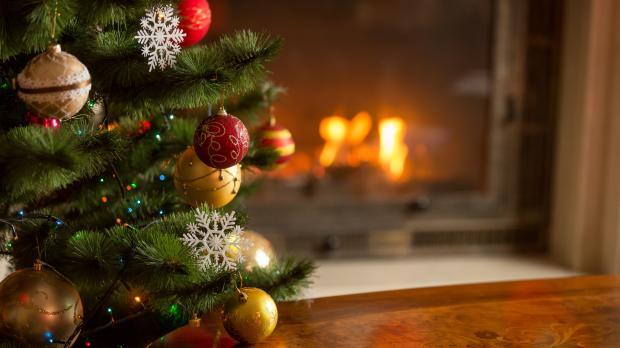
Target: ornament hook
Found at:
243, 297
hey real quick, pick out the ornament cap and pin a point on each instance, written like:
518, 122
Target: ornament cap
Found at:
222, 111
243, 297
272, 117
38, 266
53, 48
194, 321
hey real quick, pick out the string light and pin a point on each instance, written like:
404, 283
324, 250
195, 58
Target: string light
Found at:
130, 210
109, 310
87, 343
21, 213
161, 212
162, 177
58, 222
137, 299
138, 202
101, 180
92, 103
134, 185
49, 336
174, 310
170, 116
118, 221
104, 199
5, 84
157, 136
128, 187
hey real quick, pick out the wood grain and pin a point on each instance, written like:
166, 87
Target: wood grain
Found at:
568, 312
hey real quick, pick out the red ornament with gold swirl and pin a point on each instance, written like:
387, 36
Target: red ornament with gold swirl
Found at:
221, 141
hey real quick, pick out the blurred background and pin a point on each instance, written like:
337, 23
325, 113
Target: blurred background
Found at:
441, 141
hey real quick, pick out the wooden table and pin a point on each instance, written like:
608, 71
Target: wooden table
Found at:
569, 312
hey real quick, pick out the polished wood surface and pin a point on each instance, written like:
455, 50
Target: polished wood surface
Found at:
572, 312
568, 312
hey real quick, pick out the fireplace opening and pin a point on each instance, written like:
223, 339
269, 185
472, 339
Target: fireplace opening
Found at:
418, 124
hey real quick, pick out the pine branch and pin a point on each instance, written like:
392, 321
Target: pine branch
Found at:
26, 26
106, 13
201, 75
283, 279
35, 161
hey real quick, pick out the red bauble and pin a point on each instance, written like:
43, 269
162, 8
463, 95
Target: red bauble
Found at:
278, 138
47, 122
221, 141
195, 20
193, 337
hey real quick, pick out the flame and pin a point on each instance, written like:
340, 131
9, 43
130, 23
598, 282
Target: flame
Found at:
345, 143
392, 151
359, 128
333, 130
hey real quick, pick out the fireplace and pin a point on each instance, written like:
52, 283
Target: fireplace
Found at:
420, 125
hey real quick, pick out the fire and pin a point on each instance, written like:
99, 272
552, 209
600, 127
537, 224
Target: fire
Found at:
333, 130
359, 128
393, 150
345, 143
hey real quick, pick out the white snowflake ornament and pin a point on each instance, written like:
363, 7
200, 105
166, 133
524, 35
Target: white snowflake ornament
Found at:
160, 37
216, 240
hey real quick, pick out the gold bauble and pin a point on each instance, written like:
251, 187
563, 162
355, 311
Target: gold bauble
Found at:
250, 316
39, 307
258, 253
198, 183
54, 84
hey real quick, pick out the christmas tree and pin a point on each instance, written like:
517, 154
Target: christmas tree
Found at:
98, 100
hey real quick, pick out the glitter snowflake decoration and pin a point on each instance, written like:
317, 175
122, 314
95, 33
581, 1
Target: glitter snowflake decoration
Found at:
160, 37
216, 240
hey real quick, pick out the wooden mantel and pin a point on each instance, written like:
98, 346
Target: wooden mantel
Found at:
568, 312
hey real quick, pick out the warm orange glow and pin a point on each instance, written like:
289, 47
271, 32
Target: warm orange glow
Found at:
359, 128
333, 130
137, 299
345, 143
393, 150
